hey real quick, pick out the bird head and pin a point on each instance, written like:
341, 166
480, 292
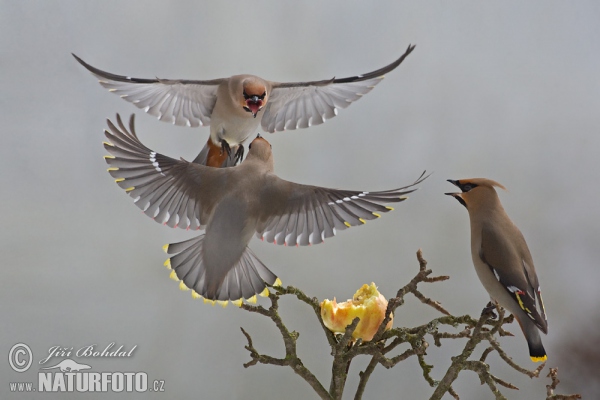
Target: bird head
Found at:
254, 96
474, 190
261, 149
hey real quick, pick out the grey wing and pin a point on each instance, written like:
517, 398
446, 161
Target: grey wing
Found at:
519, 280
303, 104
181, 102
169, 191
295, 214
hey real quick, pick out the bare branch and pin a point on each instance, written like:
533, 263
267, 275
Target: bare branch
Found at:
553, 375
289, 339
384, 343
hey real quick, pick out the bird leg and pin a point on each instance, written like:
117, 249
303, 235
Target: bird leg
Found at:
239, 154
489, 310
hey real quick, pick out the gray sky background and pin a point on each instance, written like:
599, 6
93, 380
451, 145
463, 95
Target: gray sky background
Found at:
506, 90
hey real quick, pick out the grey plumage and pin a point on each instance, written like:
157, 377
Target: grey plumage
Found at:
233, 204
235, 107
502, 259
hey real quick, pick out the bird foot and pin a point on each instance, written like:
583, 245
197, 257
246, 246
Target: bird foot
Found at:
225, 147
239, 154
488, 311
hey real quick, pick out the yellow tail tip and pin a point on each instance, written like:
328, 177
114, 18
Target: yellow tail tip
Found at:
119, 180
251, 300
264, 293
108, 144
237, 303
211, 302
539, 359
377, 215
112, 169
109, 157
362, 220
168, 263
129, 189
277, 282
173, 276
347, 224
390, 208
195, 295
223, 303
183, 287
165, 248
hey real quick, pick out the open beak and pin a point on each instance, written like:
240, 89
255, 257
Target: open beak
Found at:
457, 196
253, 105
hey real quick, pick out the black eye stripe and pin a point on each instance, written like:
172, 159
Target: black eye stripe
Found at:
467, 186
261, 97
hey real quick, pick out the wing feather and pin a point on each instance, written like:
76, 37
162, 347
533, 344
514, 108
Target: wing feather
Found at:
298, 105
509, 267
168, 190
302, 214
181, 102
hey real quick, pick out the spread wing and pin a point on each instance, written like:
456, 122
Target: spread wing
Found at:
182, 102
520, 282
295, 214
172, 192
303, 104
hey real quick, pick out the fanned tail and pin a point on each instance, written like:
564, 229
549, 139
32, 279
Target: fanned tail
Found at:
245, 279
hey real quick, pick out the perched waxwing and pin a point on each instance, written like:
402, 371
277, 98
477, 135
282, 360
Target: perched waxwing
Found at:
502, 259
234, 107
233, 204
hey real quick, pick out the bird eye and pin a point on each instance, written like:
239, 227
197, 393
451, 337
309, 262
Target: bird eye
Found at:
468, 186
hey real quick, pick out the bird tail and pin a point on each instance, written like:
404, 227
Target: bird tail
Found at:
247, 278
536, 348
534, 341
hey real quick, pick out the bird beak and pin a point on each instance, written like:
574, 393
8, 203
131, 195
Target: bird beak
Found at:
455, 183
253, 105
457, 196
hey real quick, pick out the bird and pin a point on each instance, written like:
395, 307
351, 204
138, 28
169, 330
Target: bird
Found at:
503, 261
231, 205
234, 107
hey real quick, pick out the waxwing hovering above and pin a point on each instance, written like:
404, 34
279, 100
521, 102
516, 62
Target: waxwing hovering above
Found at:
234, 107
232, 205
502, 260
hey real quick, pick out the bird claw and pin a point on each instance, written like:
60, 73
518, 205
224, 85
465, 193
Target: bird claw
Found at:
488, 310
225, 147
239, 154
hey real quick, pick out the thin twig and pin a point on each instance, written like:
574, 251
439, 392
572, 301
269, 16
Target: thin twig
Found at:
384, 342
553, 375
